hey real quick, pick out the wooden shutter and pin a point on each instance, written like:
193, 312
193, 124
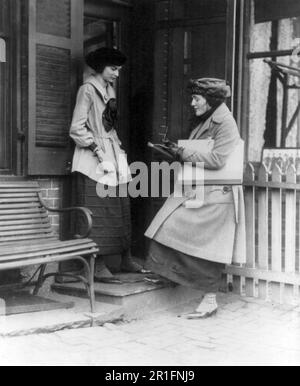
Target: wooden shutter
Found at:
55, 52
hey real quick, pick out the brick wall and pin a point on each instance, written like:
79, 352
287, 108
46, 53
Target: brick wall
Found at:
52, 194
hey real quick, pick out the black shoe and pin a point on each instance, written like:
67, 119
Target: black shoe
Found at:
130, 266
107, 280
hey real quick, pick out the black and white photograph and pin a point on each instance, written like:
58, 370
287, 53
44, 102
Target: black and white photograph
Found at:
149, 186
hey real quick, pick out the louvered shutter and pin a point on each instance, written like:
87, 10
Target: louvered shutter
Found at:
54, 63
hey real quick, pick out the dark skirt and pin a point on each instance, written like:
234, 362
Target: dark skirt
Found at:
184, 269
111, 217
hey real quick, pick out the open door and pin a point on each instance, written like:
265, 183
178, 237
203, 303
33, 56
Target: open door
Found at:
194, 39
107, 24
198, 40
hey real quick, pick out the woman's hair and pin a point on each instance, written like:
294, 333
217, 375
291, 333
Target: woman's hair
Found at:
215, 91
104, 57
214, 101
110, 115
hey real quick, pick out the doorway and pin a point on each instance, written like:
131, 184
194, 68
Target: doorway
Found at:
108, 25
99, 33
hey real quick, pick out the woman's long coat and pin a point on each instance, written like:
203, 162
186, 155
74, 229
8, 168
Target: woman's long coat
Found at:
87, 127
215, 231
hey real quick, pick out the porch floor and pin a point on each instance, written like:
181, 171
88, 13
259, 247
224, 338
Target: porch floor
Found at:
244, 332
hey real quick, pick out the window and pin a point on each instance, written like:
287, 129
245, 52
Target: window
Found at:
274, 101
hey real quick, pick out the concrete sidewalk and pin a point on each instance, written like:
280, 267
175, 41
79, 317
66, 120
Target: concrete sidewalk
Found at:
244, 332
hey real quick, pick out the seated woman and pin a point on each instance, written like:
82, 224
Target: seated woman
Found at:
192, 246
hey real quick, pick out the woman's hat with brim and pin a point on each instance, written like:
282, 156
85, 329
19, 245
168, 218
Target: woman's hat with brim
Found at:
105, 57
211, 87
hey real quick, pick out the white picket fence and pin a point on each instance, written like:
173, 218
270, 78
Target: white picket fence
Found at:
272, 197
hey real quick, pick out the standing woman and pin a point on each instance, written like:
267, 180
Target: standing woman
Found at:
93, 129
192, 246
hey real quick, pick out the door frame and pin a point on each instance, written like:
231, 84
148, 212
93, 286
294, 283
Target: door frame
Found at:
13, 114
118, 11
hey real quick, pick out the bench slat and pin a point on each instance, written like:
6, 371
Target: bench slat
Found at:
27, 189
20, 205
24, 229
10, 240
41, 246
19, 185
17, 194
16, 233
23, 211
26, 221
57, 251
7, 228
49, 259
18, 200
35, 215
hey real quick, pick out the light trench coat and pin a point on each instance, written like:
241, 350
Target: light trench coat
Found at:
215, 231
87, 127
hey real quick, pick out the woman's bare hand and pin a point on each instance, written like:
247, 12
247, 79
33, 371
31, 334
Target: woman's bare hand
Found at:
98, 155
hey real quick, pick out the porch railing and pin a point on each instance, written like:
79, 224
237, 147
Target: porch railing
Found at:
272, 197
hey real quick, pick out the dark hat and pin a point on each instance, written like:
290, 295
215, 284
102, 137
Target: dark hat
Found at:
105, 57
210, 87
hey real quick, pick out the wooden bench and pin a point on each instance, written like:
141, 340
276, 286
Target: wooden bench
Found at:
27, 238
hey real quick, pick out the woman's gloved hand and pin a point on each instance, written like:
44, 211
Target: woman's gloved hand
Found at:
168, 143
174, 149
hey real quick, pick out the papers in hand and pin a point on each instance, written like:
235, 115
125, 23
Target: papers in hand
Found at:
230, 174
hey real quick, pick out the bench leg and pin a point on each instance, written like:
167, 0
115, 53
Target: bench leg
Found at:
88, 282
40, 280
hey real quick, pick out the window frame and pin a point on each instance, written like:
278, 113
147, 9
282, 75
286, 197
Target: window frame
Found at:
243, 108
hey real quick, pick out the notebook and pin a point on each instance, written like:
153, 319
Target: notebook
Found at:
230, 174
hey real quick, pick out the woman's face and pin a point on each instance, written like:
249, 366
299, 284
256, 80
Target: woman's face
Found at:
199, 104
111, 73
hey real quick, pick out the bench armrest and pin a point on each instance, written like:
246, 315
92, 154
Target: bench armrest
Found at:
86, 212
